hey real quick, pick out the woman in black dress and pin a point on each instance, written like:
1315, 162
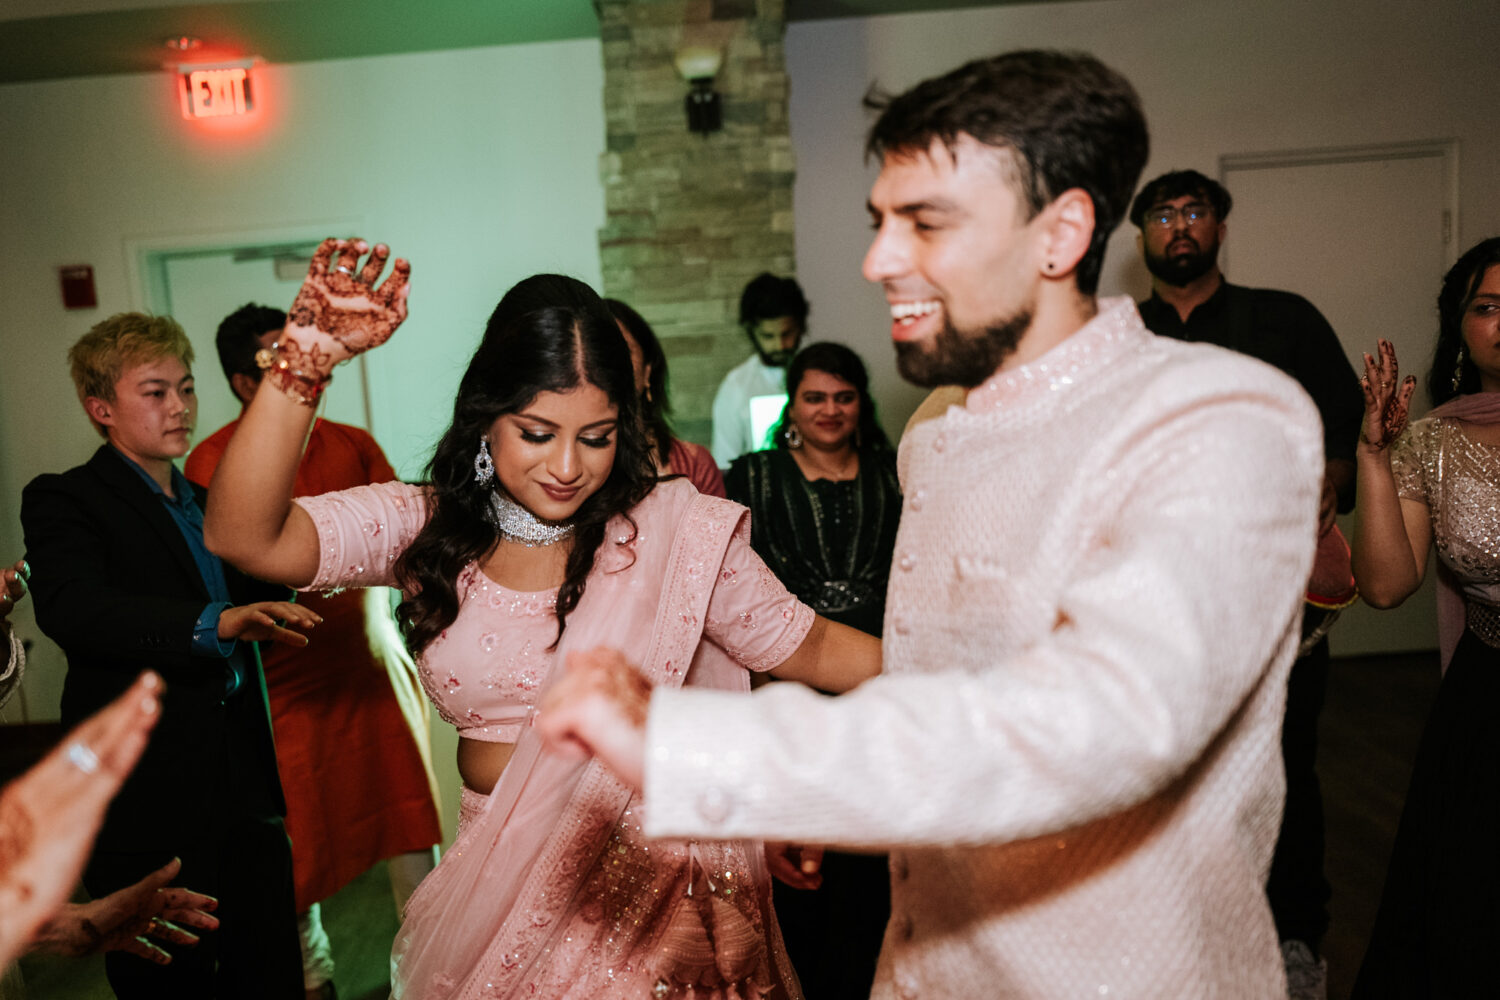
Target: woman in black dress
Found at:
824, 505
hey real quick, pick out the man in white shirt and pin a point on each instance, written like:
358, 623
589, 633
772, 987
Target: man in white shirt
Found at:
1072, 753
773, 314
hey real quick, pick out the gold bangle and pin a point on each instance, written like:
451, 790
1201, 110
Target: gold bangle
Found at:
304, 387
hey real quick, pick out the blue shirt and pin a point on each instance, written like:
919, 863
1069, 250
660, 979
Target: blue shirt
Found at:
186, 514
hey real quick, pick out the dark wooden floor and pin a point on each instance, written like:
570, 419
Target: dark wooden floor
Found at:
1369, 730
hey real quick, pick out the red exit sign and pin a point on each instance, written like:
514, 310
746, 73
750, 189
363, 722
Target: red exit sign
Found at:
214, 91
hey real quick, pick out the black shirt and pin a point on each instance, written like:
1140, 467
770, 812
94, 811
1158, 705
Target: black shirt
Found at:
830, 543
1284, 330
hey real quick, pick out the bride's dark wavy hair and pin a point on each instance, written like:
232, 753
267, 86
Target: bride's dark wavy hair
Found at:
550, 333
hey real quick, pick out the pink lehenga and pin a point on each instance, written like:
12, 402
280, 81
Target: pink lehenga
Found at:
551, 890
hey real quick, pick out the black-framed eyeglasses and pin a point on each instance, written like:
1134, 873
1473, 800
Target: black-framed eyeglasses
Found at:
1167, 216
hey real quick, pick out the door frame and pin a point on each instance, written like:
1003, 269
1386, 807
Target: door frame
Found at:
146, 259
1446, 150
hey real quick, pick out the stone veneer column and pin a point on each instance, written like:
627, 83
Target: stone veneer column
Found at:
690, 219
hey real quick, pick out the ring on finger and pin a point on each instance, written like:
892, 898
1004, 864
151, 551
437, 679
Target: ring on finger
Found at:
344, 269
82, 756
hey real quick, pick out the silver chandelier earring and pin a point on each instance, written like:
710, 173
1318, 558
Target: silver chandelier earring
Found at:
793, 436
484, 466
1458, 368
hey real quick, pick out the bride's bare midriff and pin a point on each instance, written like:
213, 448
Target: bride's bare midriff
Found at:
480, 764
526, 569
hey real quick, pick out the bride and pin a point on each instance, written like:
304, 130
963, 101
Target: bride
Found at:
543, 531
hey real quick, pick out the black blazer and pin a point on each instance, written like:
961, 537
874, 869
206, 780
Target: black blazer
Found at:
115, 585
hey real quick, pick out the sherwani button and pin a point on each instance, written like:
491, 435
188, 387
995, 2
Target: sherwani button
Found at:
906, 986
714, 805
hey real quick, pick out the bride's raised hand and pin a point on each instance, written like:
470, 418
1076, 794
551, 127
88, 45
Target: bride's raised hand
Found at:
339, 311
1386, 405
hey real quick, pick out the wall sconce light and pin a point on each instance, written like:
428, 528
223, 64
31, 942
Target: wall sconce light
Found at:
698, 65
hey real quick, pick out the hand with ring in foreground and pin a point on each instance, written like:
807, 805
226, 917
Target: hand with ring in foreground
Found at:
130, 918
50, 815
598, 708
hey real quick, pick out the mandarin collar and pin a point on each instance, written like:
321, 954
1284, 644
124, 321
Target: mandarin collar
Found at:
1114, 330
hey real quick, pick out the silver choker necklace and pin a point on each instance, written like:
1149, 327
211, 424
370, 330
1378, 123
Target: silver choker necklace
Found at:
518, 524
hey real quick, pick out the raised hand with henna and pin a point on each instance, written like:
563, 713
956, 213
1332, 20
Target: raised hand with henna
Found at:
340, 312
1386, 405
132, 919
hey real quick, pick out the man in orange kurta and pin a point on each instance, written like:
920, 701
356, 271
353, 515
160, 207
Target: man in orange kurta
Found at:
349, 717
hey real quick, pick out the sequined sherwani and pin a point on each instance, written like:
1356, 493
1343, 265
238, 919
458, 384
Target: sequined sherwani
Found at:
1074, 750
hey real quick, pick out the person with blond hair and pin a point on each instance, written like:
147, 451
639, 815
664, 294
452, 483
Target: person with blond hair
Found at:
122, 582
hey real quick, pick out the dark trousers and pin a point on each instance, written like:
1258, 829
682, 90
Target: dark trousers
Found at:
233, 847
1297, 889
1439, 915
833, 933
254, 954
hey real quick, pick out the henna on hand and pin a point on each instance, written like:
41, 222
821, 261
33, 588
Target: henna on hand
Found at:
17, 834
310, 360
623, 684
344, 305
93, 938
1386, 407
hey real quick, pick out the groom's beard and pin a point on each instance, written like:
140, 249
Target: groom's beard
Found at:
960, 357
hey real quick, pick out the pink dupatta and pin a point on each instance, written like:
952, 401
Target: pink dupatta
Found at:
1481, 408
487, 921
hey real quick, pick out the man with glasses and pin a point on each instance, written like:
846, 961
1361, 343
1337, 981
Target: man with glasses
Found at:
1181, 217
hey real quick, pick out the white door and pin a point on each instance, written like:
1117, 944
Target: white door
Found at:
1364, 235
199, 287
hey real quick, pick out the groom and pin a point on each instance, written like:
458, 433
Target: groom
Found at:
1073, 750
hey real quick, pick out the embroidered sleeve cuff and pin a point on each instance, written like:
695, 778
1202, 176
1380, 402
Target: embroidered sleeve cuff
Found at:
698, 778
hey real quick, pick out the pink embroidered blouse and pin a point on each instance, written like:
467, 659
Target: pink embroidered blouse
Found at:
485, 672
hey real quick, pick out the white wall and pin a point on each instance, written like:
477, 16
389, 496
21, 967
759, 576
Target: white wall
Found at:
479, 165
1215, 76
